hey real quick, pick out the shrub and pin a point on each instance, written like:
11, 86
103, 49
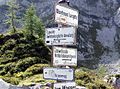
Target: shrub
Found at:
8, 68
9, 45
80, 82
2, 72
1, 67
11, 80
1, 39
27, 62
117, 76
22, 75
83, 76
92, 86
37, 68
1, 36
90, 80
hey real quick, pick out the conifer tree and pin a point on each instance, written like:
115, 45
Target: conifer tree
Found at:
12, 18
33, 24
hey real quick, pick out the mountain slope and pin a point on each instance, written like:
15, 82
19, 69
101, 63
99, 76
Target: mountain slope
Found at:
98, 33
19, 54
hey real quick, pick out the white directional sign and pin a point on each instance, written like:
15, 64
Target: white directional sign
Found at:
64, 56
66, 15
60, 36
58, 74
65, 85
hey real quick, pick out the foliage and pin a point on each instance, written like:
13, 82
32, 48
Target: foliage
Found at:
7, 69
83, 76
11, 80
90, 80
23, 53
27, 62
12, 16
19, 56
101, 71
37, 68
33, 24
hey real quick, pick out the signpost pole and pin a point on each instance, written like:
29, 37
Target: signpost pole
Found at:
67, 19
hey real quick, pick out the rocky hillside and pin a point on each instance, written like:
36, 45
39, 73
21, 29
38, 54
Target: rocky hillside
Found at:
98, 33
22, 57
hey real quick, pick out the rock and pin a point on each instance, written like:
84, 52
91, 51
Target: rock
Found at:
4, 85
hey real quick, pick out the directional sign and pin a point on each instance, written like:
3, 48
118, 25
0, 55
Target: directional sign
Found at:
64, 56
58, 74
60, 36
65, 85
66, 15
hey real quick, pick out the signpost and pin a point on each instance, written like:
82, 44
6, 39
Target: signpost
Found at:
60, 36
65, 85
58, 74
66, 15
64, 56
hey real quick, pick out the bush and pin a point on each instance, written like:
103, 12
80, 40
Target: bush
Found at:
11, 80
102, 85
9, 45
37, 68
1, 67
90, 80
117, 76
27, 62
8, 68
2, 72
92, 86
80, 82
22, 75
81, 75
1, 39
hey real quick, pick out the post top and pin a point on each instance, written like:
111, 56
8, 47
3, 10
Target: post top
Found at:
64, 1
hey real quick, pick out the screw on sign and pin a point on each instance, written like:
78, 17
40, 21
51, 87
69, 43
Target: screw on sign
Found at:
63, 20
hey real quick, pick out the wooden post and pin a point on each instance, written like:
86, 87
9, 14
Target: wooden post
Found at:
61, 25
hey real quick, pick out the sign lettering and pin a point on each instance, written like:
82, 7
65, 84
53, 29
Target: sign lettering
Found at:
66, 15
65, 85
58, 73
64, 56
60, 36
